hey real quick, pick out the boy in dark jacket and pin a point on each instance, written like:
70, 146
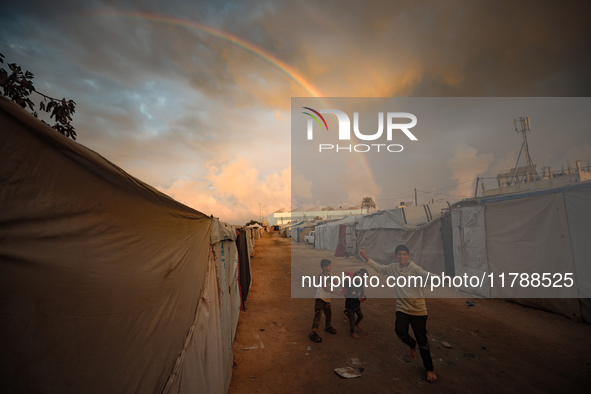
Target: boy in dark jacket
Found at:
355, 296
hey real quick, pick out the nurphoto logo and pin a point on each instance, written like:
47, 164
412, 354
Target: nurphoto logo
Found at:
344, 132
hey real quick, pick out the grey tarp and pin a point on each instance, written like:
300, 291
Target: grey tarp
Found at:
390, 219
469, 247
101, 275
327, 235
223, 239
426, 247
578, 209
253, 233
531, 235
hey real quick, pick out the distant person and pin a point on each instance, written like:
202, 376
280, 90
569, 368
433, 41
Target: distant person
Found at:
355, 296
411, 308
322, 303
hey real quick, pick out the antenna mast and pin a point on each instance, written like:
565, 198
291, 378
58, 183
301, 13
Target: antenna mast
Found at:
522, 126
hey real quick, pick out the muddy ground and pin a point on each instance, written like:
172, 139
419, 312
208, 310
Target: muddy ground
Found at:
497, 346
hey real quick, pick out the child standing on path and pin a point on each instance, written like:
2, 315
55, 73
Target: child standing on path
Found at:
355, 296
322, 303
411, 308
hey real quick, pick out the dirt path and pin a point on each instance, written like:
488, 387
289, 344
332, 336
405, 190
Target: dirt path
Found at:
496, 346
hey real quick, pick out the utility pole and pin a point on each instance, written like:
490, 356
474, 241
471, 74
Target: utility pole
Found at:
416, 204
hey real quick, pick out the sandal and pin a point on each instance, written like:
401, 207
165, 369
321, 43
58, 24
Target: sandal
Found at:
330, 330
314, 337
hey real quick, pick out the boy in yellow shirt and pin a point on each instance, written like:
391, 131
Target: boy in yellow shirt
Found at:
411, 308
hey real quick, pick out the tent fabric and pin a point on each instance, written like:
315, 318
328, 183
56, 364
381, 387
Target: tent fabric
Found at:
431, 254
350, 240
390, 219
295, 231
447, 240
222, 231
537, 192
469, 246
102, 275
226, 261
531, 235
545, 231
379, 234
199, 365
424, 243
327, 235
244, 274
227, 264
252, 234
341, 249
402, 218
578, 203
249, 241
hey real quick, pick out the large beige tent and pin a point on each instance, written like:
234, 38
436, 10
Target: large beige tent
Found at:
106, 284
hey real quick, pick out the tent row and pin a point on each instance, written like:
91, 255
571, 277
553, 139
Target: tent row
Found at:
108, 285
530, 233
380, 232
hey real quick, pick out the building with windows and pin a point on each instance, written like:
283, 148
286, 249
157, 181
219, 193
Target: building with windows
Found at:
283, 218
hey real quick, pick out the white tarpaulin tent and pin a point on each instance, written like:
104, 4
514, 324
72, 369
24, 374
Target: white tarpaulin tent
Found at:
223, 239
469, 246
380, 233
107, 285
327, 235
532, 234
578, 210
390, 219
537, 232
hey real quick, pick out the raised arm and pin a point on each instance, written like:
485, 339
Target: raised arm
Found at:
423, 273
382, 269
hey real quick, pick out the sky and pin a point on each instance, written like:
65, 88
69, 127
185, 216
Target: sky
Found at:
195, 97
444, 148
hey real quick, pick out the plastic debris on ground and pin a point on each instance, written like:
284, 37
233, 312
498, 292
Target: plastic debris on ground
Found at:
347, 372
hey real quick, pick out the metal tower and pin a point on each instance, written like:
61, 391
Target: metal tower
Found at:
522, 126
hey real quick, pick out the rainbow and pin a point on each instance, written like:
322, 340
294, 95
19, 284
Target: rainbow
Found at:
222, 35
361, 158
244, 45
